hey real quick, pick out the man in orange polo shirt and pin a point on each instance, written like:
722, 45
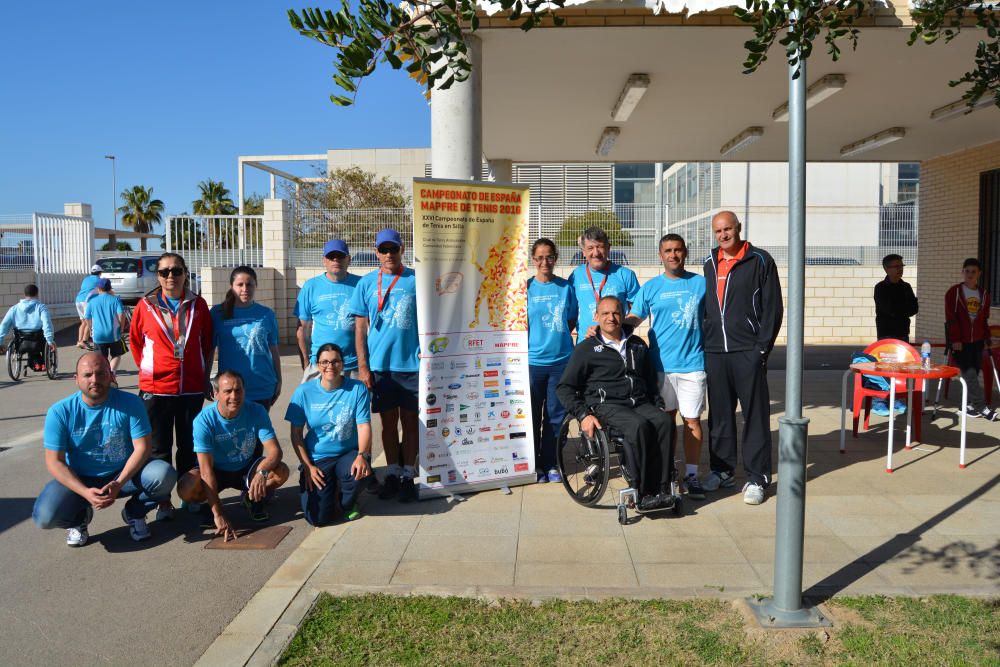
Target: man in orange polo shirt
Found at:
740, 326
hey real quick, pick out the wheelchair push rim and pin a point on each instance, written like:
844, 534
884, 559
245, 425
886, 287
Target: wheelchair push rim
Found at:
584, 464
13, 363
51, 363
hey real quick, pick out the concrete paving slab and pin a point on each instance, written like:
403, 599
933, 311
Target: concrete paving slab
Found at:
827, 548
461, 549
361, 546
465, 522
566, 549
339, 571
451, 572
646, 549
700, 575
617, 575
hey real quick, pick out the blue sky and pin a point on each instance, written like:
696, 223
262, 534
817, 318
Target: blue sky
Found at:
176, 91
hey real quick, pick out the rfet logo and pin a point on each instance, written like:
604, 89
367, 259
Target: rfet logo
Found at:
473, 343
438, 345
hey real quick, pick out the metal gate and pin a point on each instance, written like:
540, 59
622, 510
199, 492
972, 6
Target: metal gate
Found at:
64, 252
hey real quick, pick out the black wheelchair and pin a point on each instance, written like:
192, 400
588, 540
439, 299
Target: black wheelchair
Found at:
586, 468
25, 346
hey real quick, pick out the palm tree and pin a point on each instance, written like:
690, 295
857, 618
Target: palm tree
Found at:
140, 211
215, 200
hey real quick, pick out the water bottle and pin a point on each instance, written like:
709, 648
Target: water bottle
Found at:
925, 355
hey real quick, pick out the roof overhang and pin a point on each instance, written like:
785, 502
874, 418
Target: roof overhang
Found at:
548, 93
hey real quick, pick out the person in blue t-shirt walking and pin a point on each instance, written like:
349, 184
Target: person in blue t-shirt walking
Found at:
336, 453
237, 449
104, 318
97, 447
598, 277
323, 309
29, 315
88, 289
385, 309
245, 333
675, 300
551, 317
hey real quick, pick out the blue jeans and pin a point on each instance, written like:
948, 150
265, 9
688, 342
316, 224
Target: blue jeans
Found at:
320, 505
543, 381
58, 507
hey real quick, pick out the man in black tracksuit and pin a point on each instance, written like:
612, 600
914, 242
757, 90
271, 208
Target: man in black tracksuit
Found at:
610, 381
743, 312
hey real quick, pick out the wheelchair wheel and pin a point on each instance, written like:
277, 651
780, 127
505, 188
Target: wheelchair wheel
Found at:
622, 515
128, 326
13, 363
51, 363
583, 463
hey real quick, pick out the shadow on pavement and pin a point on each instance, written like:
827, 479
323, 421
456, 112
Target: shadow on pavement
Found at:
14, 510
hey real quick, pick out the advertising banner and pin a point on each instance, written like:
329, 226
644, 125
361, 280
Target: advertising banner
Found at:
470, 248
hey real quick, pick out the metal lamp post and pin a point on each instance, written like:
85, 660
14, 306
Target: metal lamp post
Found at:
114, 190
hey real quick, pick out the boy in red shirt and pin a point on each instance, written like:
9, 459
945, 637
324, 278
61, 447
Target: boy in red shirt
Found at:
967, 312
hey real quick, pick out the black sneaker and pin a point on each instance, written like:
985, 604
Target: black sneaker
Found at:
648, 503
972, 413
407, 490
255, 510
989, 414
695, 491
390, 487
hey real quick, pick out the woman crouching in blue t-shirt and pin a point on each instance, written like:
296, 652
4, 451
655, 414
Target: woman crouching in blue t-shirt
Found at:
246, 335
337, 449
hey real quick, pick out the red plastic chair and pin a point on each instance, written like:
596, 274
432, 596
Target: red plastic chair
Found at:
888, 350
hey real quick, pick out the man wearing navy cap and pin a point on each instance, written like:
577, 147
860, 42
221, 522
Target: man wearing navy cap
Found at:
104, 317
385, 310
323, 309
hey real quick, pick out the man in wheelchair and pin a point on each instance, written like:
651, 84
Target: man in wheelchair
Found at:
610, 382
32, 327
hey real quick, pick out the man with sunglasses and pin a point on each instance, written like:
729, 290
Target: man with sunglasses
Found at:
324, 312
385, 309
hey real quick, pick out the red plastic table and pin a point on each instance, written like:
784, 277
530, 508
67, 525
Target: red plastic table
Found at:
911, 372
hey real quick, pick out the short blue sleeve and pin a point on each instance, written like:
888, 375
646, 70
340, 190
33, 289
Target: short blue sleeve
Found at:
272, 334
359, 300
56, 435
363, 406
640, 307
571, 305
202, 432
295, 414
88, 312
631, 285
138, 419
302, 309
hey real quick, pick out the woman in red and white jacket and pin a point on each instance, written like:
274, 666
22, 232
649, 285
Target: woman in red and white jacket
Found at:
171, 340
967, 314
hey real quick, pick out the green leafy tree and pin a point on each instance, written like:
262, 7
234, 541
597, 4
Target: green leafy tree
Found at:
575, 225
118, 245
215, 200
140, 211
187, 232
426, 36
253, 204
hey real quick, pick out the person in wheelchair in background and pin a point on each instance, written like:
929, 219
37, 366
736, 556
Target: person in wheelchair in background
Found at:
29, 319
609, 382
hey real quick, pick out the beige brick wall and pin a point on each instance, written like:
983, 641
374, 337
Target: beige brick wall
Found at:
949, 226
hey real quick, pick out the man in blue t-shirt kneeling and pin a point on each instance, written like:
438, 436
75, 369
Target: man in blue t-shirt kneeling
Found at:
97, 448
237, 449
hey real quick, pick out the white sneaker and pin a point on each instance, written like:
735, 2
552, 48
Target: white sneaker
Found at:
137, 528
77, 537
753, 494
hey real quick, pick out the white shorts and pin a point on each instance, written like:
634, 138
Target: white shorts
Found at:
81, 308
683, 391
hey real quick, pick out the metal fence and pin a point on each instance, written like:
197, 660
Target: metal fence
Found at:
17, 244
217, 240
841, 235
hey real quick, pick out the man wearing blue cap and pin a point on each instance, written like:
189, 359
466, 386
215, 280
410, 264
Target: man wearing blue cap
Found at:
385, 310
104, 318
324, 313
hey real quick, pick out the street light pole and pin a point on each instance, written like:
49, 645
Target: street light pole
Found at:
114, 190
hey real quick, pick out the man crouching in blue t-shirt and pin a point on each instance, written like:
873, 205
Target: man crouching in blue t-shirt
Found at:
237, 449
97, 448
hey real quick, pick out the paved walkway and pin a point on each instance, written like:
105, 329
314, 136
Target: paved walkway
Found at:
927, 528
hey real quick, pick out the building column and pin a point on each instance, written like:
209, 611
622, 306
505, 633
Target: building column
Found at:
501, 170
457, 123
277, 236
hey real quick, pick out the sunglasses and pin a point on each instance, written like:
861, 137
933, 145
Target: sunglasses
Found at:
388, 249
174, 271
336, 255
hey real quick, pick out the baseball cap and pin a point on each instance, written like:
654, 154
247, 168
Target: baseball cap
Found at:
335, 245
388, 236
96, 268
104, 284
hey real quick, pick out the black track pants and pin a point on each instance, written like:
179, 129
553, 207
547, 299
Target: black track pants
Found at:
742, 376
169, 415
651, 433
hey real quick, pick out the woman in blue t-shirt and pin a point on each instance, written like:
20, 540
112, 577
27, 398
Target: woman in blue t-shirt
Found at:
245, 333
551, 317
336, 450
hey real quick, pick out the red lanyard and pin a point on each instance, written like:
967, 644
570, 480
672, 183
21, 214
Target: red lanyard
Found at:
597, 290
383, 299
